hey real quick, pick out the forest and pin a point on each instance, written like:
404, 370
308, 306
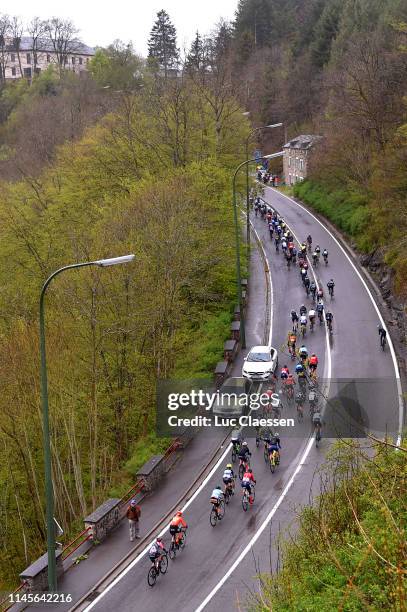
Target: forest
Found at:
137, 157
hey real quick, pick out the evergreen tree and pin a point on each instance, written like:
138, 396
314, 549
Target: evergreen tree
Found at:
195, 59
162, 45
326, 31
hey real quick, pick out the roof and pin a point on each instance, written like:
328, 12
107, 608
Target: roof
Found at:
46, 45
304, 141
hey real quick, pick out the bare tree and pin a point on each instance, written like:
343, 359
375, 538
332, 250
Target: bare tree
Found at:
4, 55
37, 30
62, 34
16, 31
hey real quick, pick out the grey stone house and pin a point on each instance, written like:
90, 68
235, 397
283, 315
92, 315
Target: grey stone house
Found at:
296, 157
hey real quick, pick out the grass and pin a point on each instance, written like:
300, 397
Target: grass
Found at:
348, 210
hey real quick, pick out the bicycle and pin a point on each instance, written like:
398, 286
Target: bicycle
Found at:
383, 341
248, 499
217, 512
300, 411
243, 467
235, 451
312, 324
158, 567
303, 329
331, 292
176, 547
320, 317
229, 490
273, 461
329, 324
313, 376
325, 259
317, 429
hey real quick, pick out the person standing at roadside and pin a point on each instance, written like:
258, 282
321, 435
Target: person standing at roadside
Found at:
133, 514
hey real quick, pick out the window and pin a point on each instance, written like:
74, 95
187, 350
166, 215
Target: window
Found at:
28, 58
80, 61
12, 57
65, 60
27, 73
13, 71
289, 162
301, 164
73, 60
87, 60
48, 58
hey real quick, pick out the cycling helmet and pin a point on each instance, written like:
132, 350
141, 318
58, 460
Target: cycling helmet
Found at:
299, 368
179, 513
313, 355
158, 540
219, 488
229, 466
133, 503
250, 470
302, 307
244, 443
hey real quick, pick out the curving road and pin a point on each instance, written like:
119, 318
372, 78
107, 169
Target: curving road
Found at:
197, 579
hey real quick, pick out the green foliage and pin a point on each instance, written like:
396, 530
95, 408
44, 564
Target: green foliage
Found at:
117, 67
152, 178
348, 210
350, 549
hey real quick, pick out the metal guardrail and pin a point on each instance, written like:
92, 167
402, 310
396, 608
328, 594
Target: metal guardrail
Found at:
6, 604
82, 537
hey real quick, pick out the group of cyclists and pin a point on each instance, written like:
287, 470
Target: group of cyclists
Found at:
305, 370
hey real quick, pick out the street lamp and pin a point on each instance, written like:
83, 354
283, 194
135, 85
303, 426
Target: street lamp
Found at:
237, 241
49, 494
257, 129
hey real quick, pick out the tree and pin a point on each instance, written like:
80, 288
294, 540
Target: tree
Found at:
195, 59
325, 33
4, 54
62, 34
36, 29
117, 66
16, 30
162, 45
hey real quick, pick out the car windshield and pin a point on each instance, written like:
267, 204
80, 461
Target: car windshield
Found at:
259, 356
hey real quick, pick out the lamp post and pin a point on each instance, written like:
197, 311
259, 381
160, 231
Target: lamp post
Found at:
49, 494
257, 129
237, 241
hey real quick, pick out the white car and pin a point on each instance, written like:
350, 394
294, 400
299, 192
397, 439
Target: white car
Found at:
260, 363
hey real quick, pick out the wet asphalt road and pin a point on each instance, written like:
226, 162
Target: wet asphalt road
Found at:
355, 353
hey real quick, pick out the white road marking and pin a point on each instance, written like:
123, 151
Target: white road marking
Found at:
197, 492
146, 549
362, 280
270, 281
301, 463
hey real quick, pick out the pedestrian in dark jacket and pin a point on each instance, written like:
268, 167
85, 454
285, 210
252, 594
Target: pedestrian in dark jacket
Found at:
133, 514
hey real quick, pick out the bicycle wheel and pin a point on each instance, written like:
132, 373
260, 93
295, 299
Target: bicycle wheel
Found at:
245, 501
257, 442
222, 510
172, 551
272, 463
152, 576
265, 455
183, 540
241, 471
253, 494
164, 564
226, 495
213, 518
